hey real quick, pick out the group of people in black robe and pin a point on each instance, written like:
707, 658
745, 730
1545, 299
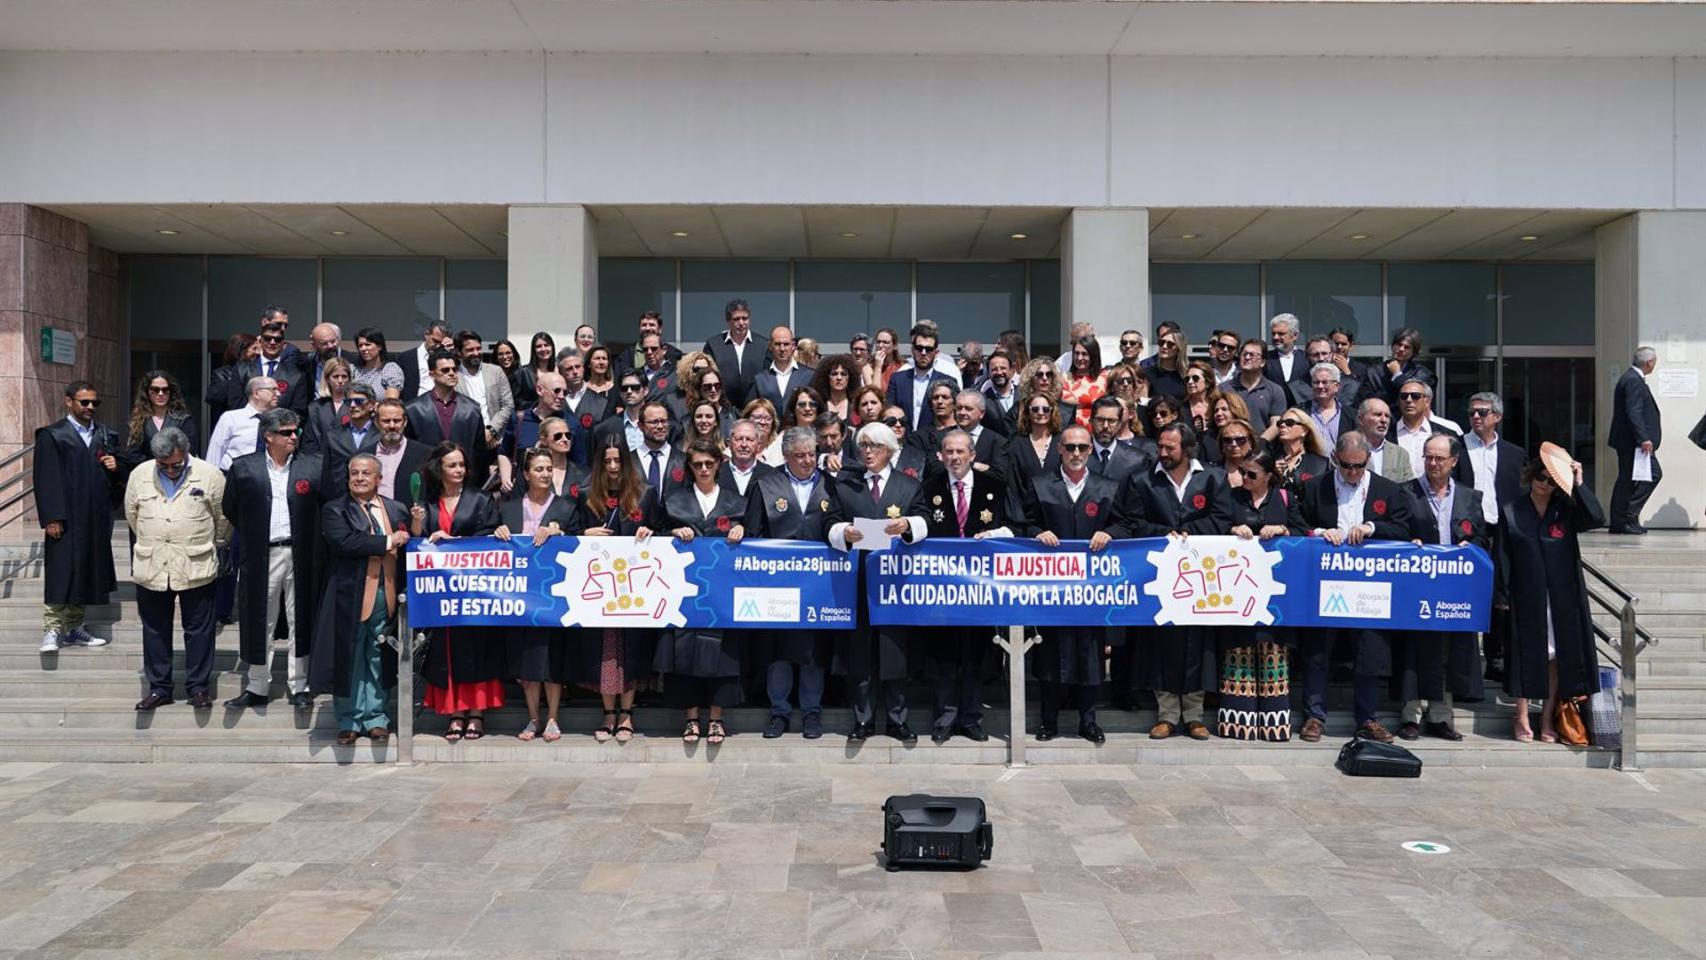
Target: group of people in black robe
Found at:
736, 440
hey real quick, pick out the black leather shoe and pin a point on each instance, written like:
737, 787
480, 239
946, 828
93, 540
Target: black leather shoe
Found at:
302, 701
811, 726
245, 699
1409, 731
201, 701
1444, 731
776, 727
974, 731
862, 731
941, 735
1045, 733
901, 732
152, 701
1092, 733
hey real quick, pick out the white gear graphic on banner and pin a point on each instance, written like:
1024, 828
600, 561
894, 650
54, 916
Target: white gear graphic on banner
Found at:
1214, 581
618, 582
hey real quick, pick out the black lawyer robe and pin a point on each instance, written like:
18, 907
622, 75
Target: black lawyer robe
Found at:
1427, 663
772, 512
248, 505
870, 652
1387, 507
990, 505
71, 487
695, 651
334, 448
1279, 509
1071, 655
350, 543
467, 654
1540, 562
639, 645
540, 653
138, 453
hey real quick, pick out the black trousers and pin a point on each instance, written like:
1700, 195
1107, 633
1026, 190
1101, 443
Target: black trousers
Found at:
954, 663
1628, 496
1082, 695
155, 609
894, 700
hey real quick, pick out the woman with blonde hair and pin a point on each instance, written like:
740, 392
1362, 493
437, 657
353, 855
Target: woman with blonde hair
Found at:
1300, 452
763, 416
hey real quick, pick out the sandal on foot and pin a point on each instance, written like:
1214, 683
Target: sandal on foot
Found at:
1523, 736
552, 733
1548, 738
714, 733
690, 733
604, 733
528, 732
473, 732
624, 726
458, 726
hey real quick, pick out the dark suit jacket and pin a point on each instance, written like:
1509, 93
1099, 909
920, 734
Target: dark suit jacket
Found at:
767, 386
739, 377
990, 505
1150, 508
1387, 506
899, 392
409, 362
1467, 522
1123, 461
1005, 423
295, 371
1634, 415
1299, 367
672, 468
1507, 472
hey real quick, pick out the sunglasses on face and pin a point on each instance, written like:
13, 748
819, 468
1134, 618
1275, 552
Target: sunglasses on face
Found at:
272, 338
1481, 412
286, 432
633, 386
1127, 382
1251, 474
712, 385
1195, 378
1043, 375
1037, 410
1225, 346
159, 389
1289, 422
91, 404
703, 465
1353, 467
893, 421
358, 401
916, 348
559, 435
1131, 343
1235, 441
172, 469
1409, 396
1075, 447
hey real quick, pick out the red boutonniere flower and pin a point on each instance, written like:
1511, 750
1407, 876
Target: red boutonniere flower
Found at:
302, 486
1091, 509
575, 490
1466, 527
911, 472
1380, 508
283, 386
1199, 501
610, 503
586, 421
634, 515
662, 384
1557, 531
723, 524
345, 419
1305, 477
677, 475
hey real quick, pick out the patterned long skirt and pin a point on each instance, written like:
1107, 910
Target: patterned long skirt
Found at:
1255, 693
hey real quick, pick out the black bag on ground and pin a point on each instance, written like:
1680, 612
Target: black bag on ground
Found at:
921, 829
1371, 758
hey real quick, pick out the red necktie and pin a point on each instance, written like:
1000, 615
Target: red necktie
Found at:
960, 504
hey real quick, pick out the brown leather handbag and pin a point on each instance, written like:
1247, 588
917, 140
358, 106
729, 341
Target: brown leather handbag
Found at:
1571, 730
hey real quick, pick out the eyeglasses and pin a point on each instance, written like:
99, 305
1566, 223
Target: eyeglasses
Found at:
655, 423
1247, 355
1434, 458
633, 386
1543, 477
812, 405
558, 435
1480, 411
867, 445
1195, 378
358, 401
91, 404
1043, 375
1075, 447
159, 389
920, 348
1125, 382
284, 432
1235, 440
1251, 474
1323, 383
703, 465
1106, 421
1289, 422
272, 338
1131, 343
1352, 467
1168, 343
172, 469
1410, 396
894, 421
1041, 409
1223, 346
713, 385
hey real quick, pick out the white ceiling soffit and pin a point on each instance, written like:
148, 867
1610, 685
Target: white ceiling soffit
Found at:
1045, 27
1236, 233
296, 229
843, 232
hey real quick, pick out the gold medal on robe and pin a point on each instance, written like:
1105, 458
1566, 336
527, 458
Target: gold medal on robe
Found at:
823, 505
781, 504
935, 501
894, 512
986, 517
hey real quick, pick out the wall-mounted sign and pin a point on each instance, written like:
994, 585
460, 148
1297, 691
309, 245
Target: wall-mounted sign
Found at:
58, 346
1677, 382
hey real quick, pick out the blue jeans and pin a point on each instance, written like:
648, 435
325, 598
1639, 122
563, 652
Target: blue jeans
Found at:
779, 683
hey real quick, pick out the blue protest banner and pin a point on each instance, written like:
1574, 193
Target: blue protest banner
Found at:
1216, 581
624, 583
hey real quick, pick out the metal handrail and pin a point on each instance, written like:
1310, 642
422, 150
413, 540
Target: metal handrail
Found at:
11, 458
18, 477
1630, 641
14, 498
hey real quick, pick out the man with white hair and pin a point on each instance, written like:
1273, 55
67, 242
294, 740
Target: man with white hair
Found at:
873, 656
1635, 429
1285, 361
989, 449
1078, 330
325, 339
238, 431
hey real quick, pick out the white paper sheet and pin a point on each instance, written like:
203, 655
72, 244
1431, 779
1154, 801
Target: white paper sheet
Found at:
871, 535
1642, 472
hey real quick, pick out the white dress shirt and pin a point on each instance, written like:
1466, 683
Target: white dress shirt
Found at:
1350, 500
424, 385
971, 500
1484, 461
1413, 441
278, 524
87, 433
915, 525
234, 435
1377, 458
1179, 487
742, 477
707, 501
1074, 490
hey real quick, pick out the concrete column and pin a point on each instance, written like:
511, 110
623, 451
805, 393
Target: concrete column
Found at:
1104, 274
553, 271
1650, 291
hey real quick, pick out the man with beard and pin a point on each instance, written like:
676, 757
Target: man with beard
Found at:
399, 457
1001, 395
75, 476
488, 387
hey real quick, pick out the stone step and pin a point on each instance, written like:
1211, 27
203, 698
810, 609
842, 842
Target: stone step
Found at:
1662, 661
1673, 750
1671, 691
1672, 721
747, 747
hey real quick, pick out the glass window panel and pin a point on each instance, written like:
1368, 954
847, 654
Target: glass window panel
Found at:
1548, 303
628, 288
835, 299
1326, 295
238, 287
1450, 304
1044, 336
1205, 297
399, 296
164, 297
476, 297
708, 285
972, 301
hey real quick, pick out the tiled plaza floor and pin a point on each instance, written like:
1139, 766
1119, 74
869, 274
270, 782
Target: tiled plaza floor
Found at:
678, 861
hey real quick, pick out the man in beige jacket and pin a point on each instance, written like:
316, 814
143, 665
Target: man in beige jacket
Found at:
173, 507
